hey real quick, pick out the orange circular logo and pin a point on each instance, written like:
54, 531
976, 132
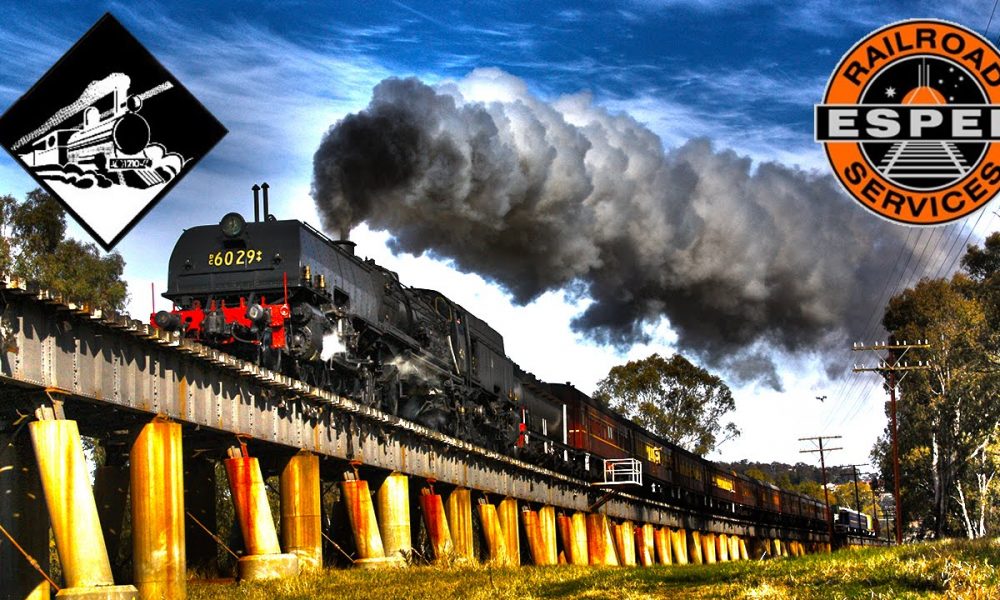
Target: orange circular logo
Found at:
911, 122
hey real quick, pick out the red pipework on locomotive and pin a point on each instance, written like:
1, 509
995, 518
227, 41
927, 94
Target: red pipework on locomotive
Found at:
192, 318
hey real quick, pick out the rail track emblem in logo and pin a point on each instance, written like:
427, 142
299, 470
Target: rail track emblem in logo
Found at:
108, 131
911, 122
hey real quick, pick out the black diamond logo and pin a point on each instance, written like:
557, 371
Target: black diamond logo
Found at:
108, 131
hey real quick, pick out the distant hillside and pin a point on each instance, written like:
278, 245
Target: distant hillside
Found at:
800, 476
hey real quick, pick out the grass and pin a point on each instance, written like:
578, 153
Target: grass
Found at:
947, 569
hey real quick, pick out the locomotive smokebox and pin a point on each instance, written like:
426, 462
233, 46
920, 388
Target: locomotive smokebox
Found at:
167, 321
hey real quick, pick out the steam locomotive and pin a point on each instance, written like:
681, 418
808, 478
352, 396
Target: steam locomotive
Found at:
282, 294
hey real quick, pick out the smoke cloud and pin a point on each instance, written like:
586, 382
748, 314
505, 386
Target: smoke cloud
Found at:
538, 195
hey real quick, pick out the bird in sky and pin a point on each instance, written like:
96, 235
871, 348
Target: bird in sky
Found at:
821, 398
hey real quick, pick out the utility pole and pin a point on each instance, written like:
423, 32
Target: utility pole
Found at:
822, 461
888, 368
857, 495
874, 504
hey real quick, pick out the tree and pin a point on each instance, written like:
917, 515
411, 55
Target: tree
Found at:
33, 246
672, 398
949, 418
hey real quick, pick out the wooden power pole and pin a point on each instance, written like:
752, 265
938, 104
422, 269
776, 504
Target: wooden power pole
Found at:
888, 368
822, 462
857, 495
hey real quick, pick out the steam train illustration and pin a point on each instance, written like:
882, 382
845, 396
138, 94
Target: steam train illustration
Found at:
282, 294
108, 144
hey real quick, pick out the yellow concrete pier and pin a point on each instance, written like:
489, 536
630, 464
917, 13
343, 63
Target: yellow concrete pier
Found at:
694, 548
708, 548
496, 542
734, 547
263, 559
573, 533
600, 541
459, 510
393, 504
679, 547
547, 528
436, 522
744, 555
157, 492
625, 543
507, 511
364, 526
721, 547
73, 512
533, 531
645, 537
301, 522
661, 538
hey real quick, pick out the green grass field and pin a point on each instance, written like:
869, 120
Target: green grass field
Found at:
949, 569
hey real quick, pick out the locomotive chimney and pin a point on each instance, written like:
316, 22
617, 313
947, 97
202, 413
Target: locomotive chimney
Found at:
267, 212
346, 245
256, 203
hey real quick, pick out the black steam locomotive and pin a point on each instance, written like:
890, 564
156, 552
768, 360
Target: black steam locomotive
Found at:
285, 296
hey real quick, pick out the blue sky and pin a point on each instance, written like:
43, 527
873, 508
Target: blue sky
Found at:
743, 74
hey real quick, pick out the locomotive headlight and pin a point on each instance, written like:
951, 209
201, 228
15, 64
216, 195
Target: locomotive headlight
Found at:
232, 224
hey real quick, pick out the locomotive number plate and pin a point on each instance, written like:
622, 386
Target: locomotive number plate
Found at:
230, 258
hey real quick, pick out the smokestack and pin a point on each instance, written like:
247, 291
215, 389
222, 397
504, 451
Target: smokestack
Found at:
256, 203
743, 261
267, 212
346, 245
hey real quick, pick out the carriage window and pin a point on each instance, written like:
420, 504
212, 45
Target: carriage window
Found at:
652, 454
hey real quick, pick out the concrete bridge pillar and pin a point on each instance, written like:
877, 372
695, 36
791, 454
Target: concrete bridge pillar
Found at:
73, 512
364, 525
646, 544
661, 538
436, 522
625, 542
156, 465
708, 548
459, 509
721, 547
394, 515
679, 546
600, 541
573, 532
263, 559
496, 543
547, 526
301, 520
694, 548
507, 512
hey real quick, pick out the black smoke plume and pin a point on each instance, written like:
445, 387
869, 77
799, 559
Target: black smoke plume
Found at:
565, 195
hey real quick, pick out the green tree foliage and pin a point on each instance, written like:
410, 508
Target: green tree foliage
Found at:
672, 398
949, 416
33, 246
843, 495
758, 475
